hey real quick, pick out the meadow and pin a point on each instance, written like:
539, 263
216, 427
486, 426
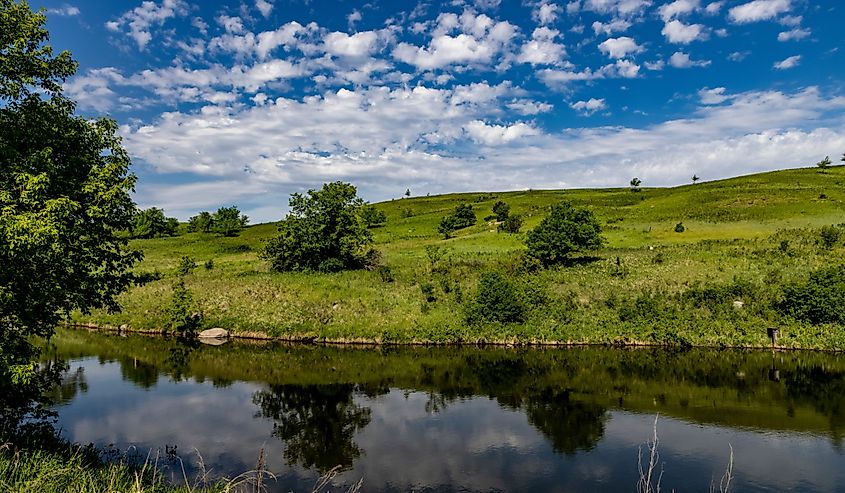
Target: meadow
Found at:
717, 283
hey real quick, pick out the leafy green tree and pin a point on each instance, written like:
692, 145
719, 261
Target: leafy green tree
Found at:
201, 223
497, 300
501, 210
322, 232
567, 229
824, 163
695, 178
635, 184
462, 217
228, 221
372, 217
511, 224
152, 223
64, 199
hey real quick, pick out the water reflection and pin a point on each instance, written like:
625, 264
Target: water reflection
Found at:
462, 419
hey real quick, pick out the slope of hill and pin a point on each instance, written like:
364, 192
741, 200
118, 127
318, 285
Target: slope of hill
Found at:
745, 238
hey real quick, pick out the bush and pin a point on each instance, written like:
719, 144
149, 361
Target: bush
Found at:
228, 221
186, 265
818, 300
183, 318
322, 232
679, 228
201, 223
427, 290
829, 236
567, 229
496, 300
511, 224
501, 210
463, 217
385, 273
372, 217
152, 223
209, 264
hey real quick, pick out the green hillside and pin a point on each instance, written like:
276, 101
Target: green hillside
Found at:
747, 236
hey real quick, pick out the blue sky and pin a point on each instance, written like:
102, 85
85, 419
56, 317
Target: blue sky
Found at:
242, 103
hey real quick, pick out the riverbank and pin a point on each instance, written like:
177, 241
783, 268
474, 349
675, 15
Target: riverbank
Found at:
720, 282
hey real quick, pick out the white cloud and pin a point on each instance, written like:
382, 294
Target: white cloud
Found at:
353, 18
546, 13
589, 107
232, 25
677, 9
738, 56
758, 10
793, 34
542, 48
264, 6
680, 33
788, 63
573, 7
680, 59
620, 47
713, 8
355, 46
625, 8
140, 19
495, 135
558, 78
608, 28
527, 107
717, 95
655, 65
65, 11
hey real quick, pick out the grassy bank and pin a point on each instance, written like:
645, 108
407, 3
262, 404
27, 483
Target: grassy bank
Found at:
744, 240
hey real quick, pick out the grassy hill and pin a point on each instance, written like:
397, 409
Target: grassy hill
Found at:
745, 238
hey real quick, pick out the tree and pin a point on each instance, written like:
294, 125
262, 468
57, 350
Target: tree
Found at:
695, 178
228, 221
372, 217
843, 157
496, 300
567, 229
501, 210
64, 199
824, 163
152, 223
511, 224
201, 223
407, 192
635, 184
462, 217
322, 232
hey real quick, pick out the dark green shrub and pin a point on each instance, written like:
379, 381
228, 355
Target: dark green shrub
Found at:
209, 264
427, 290
152, 223
201, 223
182, 316
385, 273
565, 230
820, 299
679, 228
501, 210
228, 221
647, 307
186, 265
372, 217
829, 236
496, 300
511, 224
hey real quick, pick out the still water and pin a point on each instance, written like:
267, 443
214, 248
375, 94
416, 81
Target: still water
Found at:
448, 419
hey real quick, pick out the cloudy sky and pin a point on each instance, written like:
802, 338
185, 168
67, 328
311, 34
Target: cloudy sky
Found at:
243, 102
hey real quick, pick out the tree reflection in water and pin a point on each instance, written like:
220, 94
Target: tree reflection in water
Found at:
316, 422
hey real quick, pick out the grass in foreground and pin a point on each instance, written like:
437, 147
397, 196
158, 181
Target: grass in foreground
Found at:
745, 239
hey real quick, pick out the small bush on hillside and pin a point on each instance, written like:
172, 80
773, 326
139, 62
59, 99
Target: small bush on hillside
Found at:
372, 217
201, 223
501, 210
679, 228
511, 224
181, 313
385, 273
186, 265
463, 217
427, 290
566, 229
829, 236
152, 223
820, 299
209, 264
228, 221
496, 300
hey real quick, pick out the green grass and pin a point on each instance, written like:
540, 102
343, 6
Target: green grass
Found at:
735, 231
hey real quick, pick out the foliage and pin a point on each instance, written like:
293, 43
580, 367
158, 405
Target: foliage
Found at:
511, 224
64, 199
635, 184
186, 265
184, 318
496, 300
462, 217
152, 223
679, 228
820, 299
323, 232
372, 216
228, 221
824, 163
829, 236
501, 210
201, 223
566, 229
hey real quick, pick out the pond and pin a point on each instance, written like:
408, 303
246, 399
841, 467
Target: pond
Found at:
458, 419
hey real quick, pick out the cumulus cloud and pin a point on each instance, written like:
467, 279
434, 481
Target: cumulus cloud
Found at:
264, 6
793, 34
677, 32
788, 63
546, 13
680, 59
758, 10
495, 135
64, 11
717, 95
678, 8
139, 21
624, 8
589, 107
608, 28
620, 47
542, 48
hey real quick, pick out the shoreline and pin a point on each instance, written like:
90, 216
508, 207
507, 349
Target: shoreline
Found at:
363, 342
